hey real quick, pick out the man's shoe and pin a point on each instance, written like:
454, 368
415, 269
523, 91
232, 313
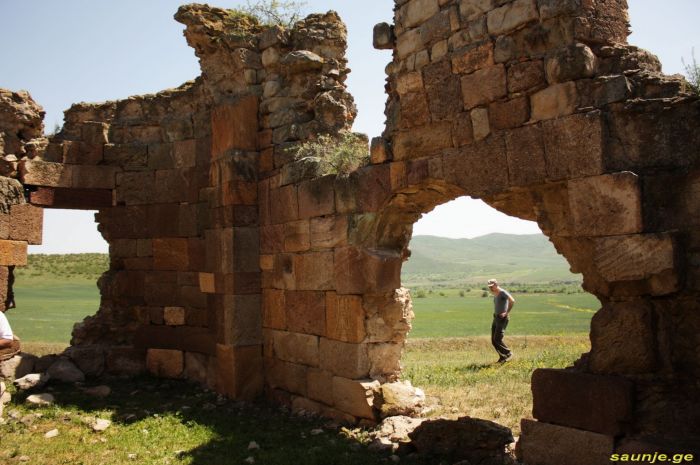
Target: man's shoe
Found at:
507, 357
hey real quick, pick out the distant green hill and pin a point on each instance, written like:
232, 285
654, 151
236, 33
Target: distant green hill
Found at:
507, 257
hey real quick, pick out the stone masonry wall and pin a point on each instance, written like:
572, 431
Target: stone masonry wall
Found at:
236, 265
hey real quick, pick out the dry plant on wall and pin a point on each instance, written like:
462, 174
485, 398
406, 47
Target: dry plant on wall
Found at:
692, 72
273, 12
340, 155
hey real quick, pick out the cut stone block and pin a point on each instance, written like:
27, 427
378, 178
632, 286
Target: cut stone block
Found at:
546, 444
165, 363
355, 397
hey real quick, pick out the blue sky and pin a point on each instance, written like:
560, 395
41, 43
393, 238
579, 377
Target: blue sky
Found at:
94, 50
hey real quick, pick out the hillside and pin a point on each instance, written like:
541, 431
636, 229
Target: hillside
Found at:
507, 257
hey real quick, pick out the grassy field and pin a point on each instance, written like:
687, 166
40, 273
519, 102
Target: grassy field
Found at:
451, 315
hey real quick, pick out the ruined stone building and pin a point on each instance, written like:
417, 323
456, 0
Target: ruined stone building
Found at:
235, 265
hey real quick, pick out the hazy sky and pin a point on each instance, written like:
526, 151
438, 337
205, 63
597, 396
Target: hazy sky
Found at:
94, 50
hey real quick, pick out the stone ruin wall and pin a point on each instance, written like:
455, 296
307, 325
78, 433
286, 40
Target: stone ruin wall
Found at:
236, 266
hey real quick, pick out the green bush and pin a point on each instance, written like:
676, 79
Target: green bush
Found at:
461, 293
420, 294
338, 155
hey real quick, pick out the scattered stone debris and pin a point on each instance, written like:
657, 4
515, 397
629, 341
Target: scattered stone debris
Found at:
51, 434
253, 445
250, 460
401, 398
31, 381
41, 399
101, 424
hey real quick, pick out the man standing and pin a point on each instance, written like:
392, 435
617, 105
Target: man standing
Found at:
502, 305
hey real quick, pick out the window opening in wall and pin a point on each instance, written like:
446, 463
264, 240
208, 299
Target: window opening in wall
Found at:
455, 250
58, 287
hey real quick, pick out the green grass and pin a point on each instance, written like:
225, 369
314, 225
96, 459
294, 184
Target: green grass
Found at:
169, 422
460, 375
471, 315
47, 310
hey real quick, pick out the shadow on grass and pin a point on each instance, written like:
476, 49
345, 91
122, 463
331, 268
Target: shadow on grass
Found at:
210, 429
477, 367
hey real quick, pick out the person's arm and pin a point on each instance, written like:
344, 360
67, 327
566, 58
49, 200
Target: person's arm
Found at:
511, 302
5, 343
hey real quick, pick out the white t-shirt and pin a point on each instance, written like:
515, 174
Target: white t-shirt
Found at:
5, 330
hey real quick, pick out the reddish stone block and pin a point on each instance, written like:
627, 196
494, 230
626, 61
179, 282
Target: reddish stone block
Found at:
80, 153
135, 187
130, 157
602, 404
510, 113
344, 358
296, 236
474, 58
171, 254
417, 171
26, 223
165, 363
525, 154
196, 252
317, 197
74, 199
239, 371
526, 75
235, 126
374, 187
379, 151
414, 110
574, 146
13, 253
171, 186
238, 193
479, 168
345, 317
265, 139
272, 238
174, 316
246, 250
246, 215
546, 444
484, 86
422, 141
328, 232
273, 305
284, 205
306, 312
267, 160
314, 271
94, 177
358, 271
397, 173
239, 319
463, 129
164, 220
288, 376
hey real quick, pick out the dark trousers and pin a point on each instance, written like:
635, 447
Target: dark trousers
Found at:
498, 329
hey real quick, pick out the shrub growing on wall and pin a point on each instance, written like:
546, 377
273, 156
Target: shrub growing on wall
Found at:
339, 155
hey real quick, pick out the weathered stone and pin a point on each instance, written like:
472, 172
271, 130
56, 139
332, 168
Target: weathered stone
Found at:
355, 396
65, 371
32, 380
416, 12
408, 42
421, 141
525, 154
345, 317
633, 257
472, 9
240, 371
554, 102
13, 253
18, 366
300, 61
40, 400
383, 36
296, 347
574, 146
400, 398
344, 359
602, 404
474, 58
174, 316
484, 86
165, 363
41, 173
320, 385
510, 113
570, 63
27, 224
511, 16
525, 76
594, 200
545, 444
306, 312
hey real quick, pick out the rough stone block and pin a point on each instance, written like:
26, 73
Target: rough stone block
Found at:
546, 444
359, 270
328, 232
484, 86
235, 126
94, 177
288, 376
574, 146
415, 110
126, 156
284, 205
602, 404
525, 75
510, 113
25, 223
320, 385
296, 236
317, 197
42, 173
344, 359
345, 317
13, 253
416, 12
525, 153
472, 9
408, 42
207, 283
474, 58
174, 316
479, 168
634, 257
196, 367
239, 371
314, 271
239, 319
622, 339
383, 36
409, 82
165, 363
274, 314
306, 312
511, 16
594, 200
171, 254
554, 102
296, 348
570, 63
422, 141
355, 397
443, 90
435, 29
